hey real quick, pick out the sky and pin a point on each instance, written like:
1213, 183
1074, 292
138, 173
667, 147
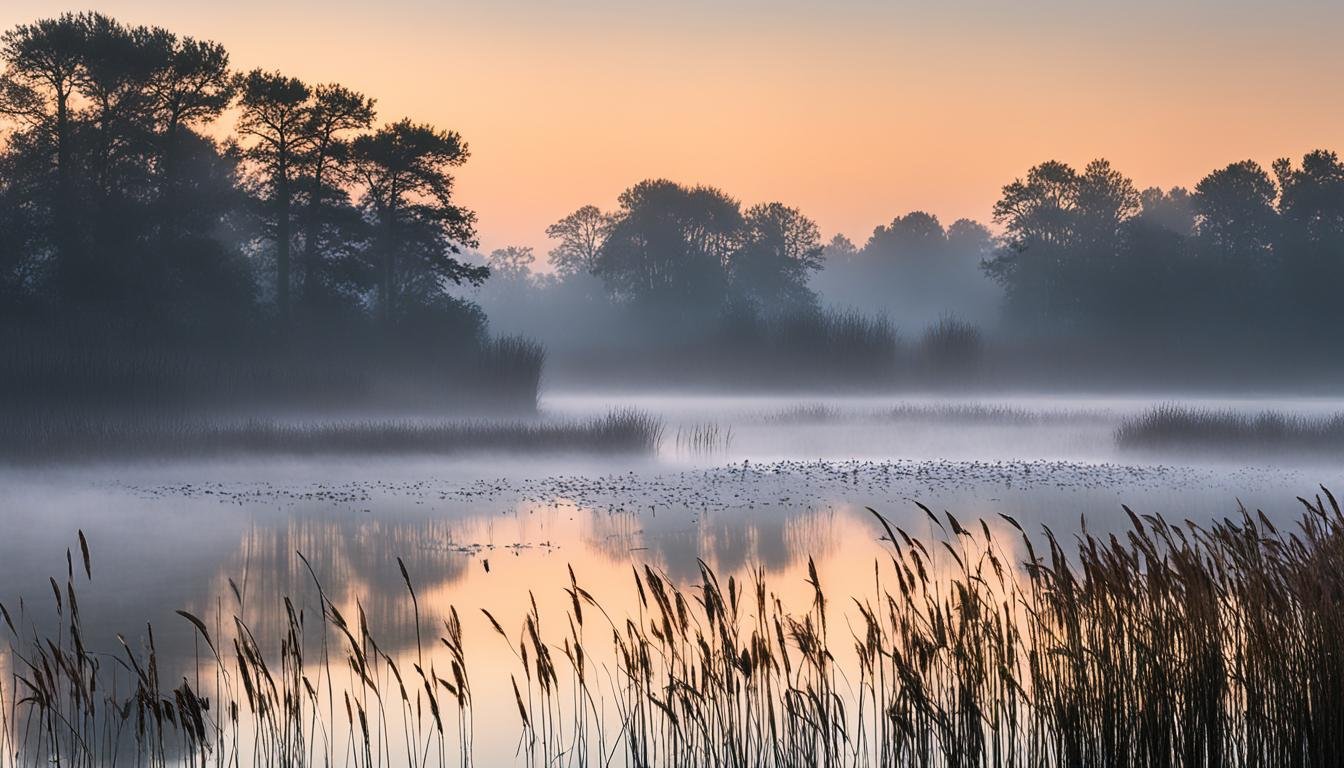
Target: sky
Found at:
855, 111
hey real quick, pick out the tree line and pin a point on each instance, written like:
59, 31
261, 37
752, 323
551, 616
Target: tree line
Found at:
143, 180
1248, 253
122, 198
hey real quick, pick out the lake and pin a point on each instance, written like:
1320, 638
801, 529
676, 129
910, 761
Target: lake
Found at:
753, 487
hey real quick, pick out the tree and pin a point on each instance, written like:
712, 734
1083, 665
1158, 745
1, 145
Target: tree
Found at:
1062, 232
581, 235
511, 264
1173, 210
406, 172
274, 120
839, 250
1235, 214
1104, 200
970, 240
780, 248
669, 246
915, 236
1039, 210
1310, 246
37, 89
335, 112
190, 87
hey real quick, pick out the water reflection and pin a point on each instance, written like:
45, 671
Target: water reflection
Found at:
501, 534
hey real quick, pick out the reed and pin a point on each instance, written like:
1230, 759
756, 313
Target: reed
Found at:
113, 371
703, 438
1219, 644
1225, 431
940, 413
50, 437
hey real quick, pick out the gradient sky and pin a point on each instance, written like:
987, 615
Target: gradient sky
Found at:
854, 110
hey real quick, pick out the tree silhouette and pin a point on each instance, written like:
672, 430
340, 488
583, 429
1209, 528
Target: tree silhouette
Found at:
38, 88
581, 235
669, 245
1235, 211
406, 171
190, 87
335, 112
274, 122
778, 251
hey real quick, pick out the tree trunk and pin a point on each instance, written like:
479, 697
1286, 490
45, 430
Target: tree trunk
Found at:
282, 238
310, 228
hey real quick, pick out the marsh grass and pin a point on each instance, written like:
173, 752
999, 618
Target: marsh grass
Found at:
1171, 643
703, 438
1225, 431
107, 373
65, 437
941, 413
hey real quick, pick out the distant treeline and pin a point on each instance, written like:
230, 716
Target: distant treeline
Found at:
1247, 265
129, 218
1245, 253
130, 213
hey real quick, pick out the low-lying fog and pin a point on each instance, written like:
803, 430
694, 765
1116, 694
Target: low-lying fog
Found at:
740, 482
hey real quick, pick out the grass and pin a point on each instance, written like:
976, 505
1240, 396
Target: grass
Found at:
1174, 426
63, 438
703, 438
106, 374
949, 413
1169, 644
951, 346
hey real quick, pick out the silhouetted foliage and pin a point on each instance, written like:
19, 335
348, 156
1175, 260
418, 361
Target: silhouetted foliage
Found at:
1247, 257
123, 218
126, 213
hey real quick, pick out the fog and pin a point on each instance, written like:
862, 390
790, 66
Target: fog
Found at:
261, 391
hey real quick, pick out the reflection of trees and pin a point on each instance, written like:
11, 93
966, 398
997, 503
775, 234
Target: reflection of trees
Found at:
731, 542
356, 562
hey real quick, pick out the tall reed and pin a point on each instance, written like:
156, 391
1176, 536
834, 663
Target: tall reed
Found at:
1218, 644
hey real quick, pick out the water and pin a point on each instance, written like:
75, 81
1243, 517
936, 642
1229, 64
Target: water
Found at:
782, 481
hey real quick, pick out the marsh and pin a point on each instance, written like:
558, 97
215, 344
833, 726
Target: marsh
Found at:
782, 487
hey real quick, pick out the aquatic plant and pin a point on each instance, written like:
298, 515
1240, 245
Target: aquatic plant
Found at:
1226, 431
703, 438
51, 437
1188, 644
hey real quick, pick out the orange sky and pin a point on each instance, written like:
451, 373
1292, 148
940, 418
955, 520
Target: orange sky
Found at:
854, 110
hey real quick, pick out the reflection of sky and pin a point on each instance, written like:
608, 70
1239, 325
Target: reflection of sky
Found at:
169, 536
530, 548
856, 111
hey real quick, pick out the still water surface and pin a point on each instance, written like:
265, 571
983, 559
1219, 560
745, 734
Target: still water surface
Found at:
776, 482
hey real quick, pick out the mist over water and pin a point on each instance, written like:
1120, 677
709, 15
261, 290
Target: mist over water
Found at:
777, 481
303, 463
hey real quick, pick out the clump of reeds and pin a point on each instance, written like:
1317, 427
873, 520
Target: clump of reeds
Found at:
1220, 644
703, 438
1175, 426
951, 345
61, 437
933, 412
116, 370
805, 413
515, 364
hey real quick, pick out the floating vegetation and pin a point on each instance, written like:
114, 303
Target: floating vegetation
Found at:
1170, 644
